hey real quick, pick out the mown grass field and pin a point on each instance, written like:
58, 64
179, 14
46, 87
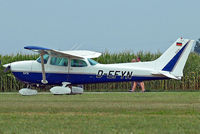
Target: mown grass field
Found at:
108, 113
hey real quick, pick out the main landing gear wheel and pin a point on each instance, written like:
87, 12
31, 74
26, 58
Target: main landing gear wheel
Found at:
66, 89
27, 91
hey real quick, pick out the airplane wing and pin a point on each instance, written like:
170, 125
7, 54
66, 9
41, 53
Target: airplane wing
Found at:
72, 53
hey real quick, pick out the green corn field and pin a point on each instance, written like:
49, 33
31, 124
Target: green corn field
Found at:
190, 81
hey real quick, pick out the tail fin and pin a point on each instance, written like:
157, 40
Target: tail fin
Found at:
172, 61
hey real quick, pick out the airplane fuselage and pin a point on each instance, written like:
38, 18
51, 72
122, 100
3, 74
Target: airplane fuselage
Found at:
30, 72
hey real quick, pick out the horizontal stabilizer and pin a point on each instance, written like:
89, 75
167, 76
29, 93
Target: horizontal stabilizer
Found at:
165, 73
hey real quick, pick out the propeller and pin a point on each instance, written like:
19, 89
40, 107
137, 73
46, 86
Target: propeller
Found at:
7, 67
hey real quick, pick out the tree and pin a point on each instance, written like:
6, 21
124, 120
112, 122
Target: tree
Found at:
197, 46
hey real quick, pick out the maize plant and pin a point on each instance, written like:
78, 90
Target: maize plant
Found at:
190, 81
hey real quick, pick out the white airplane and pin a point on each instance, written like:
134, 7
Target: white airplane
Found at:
75, 67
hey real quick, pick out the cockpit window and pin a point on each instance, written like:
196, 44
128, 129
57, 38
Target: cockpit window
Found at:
92, 62
46, 57
78, 63
58, 61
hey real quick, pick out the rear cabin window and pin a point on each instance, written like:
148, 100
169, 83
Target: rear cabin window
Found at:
58, 61
46, 57
92, 62
78, 63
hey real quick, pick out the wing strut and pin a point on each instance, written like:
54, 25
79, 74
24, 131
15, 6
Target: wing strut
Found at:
44, 81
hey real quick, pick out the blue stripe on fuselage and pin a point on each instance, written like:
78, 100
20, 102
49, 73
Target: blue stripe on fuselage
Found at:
56, 78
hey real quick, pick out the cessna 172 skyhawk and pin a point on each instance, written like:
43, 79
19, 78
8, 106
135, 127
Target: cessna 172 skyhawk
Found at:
74, 67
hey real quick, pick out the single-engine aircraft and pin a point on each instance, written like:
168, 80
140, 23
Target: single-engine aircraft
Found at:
67, 68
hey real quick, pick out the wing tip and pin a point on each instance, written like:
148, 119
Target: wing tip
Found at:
36, 48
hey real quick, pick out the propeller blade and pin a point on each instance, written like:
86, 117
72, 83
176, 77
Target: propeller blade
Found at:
7, 69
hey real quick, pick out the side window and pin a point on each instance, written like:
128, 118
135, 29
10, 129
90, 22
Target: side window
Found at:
58, 61
92, 62
78, 63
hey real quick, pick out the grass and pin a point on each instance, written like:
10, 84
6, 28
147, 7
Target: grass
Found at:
90, 113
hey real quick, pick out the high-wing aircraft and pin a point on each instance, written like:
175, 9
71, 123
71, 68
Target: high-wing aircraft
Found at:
75, 67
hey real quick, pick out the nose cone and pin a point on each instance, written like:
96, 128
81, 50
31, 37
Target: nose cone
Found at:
7, 67
21, 66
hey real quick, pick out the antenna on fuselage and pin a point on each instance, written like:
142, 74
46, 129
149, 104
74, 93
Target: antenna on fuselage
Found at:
78, 47
74, 46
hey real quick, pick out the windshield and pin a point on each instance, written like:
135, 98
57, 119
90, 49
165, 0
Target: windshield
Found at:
92, 62
46, 57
